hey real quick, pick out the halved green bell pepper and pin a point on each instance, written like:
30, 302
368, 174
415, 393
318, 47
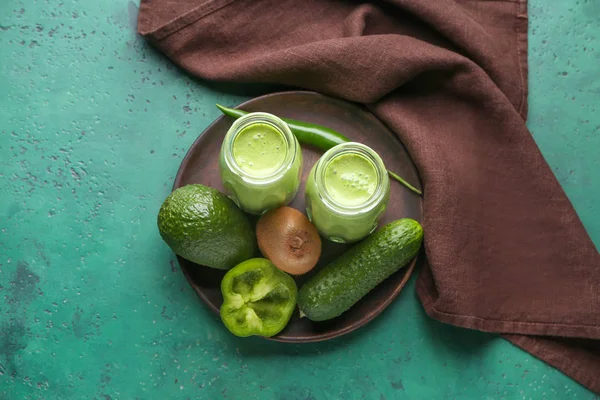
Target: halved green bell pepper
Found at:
258, 298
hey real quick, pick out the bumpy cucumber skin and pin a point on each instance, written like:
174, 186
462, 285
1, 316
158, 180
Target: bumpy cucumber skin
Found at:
342, 283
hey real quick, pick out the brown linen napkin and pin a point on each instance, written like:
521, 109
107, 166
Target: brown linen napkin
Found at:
505, 250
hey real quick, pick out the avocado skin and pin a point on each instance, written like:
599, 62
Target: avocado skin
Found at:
204, 226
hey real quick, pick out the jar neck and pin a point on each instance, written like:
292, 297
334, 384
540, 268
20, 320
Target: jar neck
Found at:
382, 179
266, 119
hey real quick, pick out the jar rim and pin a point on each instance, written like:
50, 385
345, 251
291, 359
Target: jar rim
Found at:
274, 122
368, 153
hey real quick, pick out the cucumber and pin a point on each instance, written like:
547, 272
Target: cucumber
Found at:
342, 283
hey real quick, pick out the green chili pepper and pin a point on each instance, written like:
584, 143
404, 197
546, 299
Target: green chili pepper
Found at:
315, 135
258, 298
318, 136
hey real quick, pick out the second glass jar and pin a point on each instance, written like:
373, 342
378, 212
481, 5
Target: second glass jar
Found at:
260, 163
347, 192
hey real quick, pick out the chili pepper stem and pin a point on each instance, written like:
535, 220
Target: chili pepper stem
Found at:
406, 184
223, 109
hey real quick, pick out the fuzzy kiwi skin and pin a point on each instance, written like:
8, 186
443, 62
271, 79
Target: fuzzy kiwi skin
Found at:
287, 238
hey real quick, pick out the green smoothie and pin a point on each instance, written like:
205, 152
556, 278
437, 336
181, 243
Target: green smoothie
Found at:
260, 163
259, 149
350, 179
347, 192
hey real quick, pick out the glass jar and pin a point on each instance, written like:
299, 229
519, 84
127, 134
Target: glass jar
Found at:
260, 163
347, 192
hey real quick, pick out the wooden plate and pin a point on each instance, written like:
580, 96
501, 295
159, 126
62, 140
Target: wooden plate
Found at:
200, 165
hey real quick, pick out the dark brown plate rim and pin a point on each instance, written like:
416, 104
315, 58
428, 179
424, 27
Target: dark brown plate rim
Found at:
408, 270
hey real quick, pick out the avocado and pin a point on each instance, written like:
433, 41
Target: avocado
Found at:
203, 225
342, 283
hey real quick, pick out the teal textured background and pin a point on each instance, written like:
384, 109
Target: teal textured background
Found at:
93, 126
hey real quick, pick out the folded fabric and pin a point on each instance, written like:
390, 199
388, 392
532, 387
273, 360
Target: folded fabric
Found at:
505, 249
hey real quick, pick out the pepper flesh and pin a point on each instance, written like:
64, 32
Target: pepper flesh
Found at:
258, 298
316, 135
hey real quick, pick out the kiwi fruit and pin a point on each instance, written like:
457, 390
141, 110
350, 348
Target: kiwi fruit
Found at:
287, 238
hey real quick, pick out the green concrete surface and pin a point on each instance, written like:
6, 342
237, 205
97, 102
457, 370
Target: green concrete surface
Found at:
93, 126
